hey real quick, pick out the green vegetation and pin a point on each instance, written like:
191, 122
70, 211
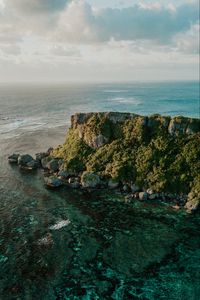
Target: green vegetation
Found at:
152, 152
74, 152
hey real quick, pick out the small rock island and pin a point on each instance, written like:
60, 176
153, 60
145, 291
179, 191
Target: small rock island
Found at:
146, 157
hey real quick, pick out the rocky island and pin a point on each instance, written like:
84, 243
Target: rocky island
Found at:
145, 157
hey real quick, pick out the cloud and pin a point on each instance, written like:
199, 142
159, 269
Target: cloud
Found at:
2, 5
10, 49
30, 17
188, 42
80, 22
60, 50
36, 6
8, 37
59, 37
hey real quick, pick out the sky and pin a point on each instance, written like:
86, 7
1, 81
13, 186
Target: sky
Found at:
98, 40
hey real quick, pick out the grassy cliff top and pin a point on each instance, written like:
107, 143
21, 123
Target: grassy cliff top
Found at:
157, 152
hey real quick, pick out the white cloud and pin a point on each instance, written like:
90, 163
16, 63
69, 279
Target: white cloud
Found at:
36, 6
151, 6
82, 23
188, 42
10, 49
75, 39
65, 51
2, 6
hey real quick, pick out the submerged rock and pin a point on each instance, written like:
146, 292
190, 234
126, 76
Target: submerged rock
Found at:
47, 240
143, 248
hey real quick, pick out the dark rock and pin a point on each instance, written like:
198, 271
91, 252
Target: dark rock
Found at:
193, 126
23, 160
74, 182
40, 156
126, 188
135, 188
113, 184
53, 165
13, 159
60, 163
90, 180
153, 196
52, 181
103, 183
63, 174
45, 160
33, 164
65, 171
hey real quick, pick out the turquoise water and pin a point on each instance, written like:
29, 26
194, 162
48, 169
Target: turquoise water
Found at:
108, 249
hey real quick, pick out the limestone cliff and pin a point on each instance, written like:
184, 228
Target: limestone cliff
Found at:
157, 152
97, 129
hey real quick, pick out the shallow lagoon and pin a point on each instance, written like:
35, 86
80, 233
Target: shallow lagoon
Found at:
109, 250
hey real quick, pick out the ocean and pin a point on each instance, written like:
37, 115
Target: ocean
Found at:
31, 107
89, 245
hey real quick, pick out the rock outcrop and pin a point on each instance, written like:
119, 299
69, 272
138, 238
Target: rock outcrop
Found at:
137, 153
90, 180
152, 157
98, 129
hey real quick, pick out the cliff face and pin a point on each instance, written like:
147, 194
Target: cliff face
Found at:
98, 129
156, 152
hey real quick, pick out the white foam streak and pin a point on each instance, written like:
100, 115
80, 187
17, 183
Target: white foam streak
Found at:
60, 225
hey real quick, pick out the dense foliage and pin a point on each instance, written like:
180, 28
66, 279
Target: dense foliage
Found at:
147, 155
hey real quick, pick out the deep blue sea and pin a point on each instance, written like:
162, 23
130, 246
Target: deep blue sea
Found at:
108, 249
29, 107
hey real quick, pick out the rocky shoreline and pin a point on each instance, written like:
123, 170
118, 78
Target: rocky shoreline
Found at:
56, 176
95, 131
